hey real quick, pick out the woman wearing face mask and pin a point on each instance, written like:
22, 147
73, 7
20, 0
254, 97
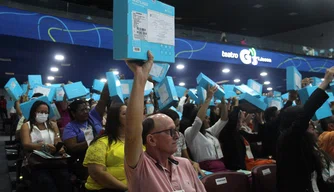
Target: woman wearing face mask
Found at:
39, 133
202, 139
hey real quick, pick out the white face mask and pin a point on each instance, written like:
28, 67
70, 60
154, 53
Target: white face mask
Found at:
41, 117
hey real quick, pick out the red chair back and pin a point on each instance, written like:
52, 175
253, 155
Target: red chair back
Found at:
226, 181
264, 178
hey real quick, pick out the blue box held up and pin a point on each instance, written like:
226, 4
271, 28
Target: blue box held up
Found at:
166, 93
255, 86
274, 102
34, 80
245, 89
50, 92
293, 79
193, 95
229, 91
323, 112
180, 91
201, 94
14, 89
159, 71
75, 90
142, 25
26, 106
126, 87
316, 81
115, 88
251, 104
204, 81
60, 94
98, 85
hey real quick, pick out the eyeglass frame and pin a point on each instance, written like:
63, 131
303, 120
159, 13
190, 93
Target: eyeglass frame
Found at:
172, 132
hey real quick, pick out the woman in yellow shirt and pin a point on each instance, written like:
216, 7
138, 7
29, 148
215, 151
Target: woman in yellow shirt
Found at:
105, 155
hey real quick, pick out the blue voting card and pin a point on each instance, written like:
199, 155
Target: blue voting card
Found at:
255, 86
251, 104
204, 81
115, 88
26, 106
166, 93
159, 71
293, 79
75, 90
97, 85
34, 80
13, 89
245, 89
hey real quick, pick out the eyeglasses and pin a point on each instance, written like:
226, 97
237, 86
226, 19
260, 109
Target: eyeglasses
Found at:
172, 132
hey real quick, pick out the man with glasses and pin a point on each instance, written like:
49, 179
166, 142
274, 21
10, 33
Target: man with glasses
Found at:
155, 169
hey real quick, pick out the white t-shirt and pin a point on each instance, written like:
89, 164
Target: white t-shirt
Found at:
46, 136
181, 145
204, 147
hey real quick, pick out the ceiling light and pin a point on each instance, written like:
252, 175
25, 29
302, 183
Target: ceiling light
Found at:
51, 78
264, 74
258, 6
180, 66
226, 70
269, 88
54, 69
182, 84
115, 72
48, 84
322, 79
59, 57
103, 80
9, 73
266, 82
236, 80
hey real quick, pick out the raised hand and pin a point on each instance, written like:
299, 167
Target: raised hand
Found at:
144, 69
211, 91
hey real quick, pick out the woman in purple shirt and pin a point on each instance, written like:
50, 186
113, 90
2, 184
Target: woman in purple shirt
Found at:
84, 126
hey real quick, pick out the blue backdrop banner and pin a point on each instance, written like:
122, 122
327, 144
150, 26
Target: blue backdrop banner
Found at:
20, 23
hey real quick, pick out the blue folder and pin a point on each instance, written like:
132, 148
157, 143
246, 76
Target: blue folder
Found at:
26, 106
293, 79
159, 71
88, 96
255, 86
115, 88
204, 81
251, 104
277, 94
14, 89
323, 112
126, 87
98, 85
75, 90
24, 88
166, 93
34, 80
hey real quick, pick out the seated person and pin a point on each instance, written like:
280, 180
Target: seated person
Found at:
39, 133
202, 139
105, 155
84, 127
156, 169
182, 150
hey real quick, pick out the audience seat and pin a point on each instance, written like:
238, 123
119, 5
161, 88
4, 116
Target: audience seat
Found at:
264, 178
226, 181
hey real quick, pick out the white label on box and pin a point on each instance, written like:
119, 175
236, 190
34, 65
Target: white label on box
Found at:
163, 93
204, 94
13, 85
275, 103
298, 81
156, 70
256, 87
43, 90
125, 89
221, 181
161, 28
266, 172
139, 26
